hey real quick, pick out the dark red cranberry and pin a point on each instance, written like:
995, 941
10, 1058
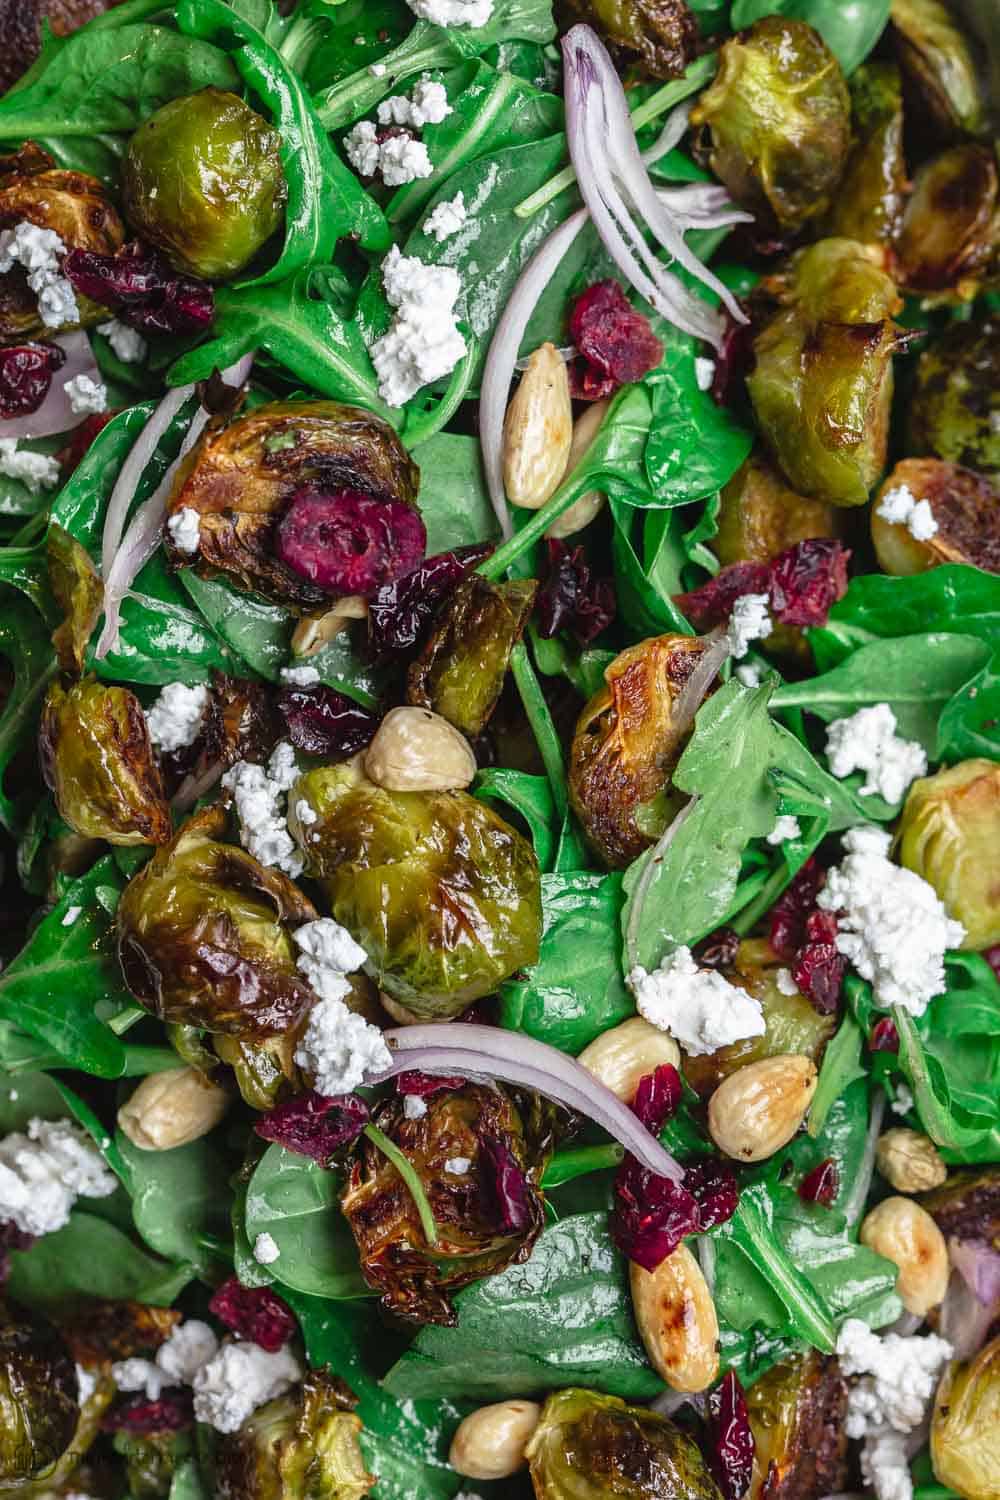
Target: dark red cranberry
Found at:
171, 1413
807, 580
713, 1185
718, 950
819, 971
713, 602
992, 957
255, 1313
425, 1084
822, 1184
658, 1097
616, 343
883, 1036
571, 598
26, 372
322, 721
650, 1215
399, 611
314, 1125
144, 291
81, 439
790, 912
505, 1179
730, 1438
347, 542
733, 362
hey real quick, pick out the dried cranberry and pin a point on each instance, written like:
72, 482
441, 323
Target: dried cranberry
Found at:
713, 602
425, 1084
651, 1214
347, 542
733, 362
400, 610
992, 957
822, 1184
713, 1185
790, 912
322, 721
616, 343
571, 598
142, 289
819, 972
807, 579
883, 1036
13, 1238
730, 1438
255, 1313
718, 950
658, 1097
314, 1125
26, 372
507, 1181
171, 1413
81, 439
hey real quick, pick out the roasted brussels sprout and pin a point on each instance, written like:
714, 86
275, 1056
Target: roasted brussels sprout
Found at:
204, 936
968, 1205
202, 179
150, 1461
78, 592
302, 1446
760, 517
798, 1414
939, 66
949, 239
98, 763
871, 194
966, 510
661, 35
479, 1153
264, 1071
777, 123
949, 834
965, 1424
39, 1407
441, 893
822, 385
244, 479
99, 1330
461, 670
626, 746
592, 1447
955, 408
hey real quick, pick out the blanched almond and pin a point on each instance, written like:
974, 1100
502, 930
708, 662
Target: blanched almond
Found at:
626, 1053
490, 1442
582, 511
538, 431
172, 1109
415, 750
758, 1109
905, 1233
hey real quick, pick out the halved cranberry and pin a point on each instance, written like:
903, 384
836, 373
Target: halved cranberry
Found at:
883, 1036
733, 362
713, 1185
807, 579
992, 957
314, 1125
400, 610
26, 372
347, 542
255, 1313
322, 721
730, 1438
171, 1413
718, 950
658, 1097
142, 289
616, 343
822, 1184
790, 912
505, 1177
572, 598
651, 1214
819, 968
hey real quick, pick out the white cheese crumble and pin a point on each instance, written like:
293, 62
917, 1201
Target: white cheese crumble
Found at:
177, 1361
40, 252
259, 797
126, 342
265, 1249
306, 813
86, 395
447, 218
900, 507
86, 1385
328, 954
867, 741
748, 622
902, 1101
885, 1467
787, 827
786, 984
70, 915
44, 1172
37, 471
339, 1049
427, 105
423, 344
458, 1165
175, 718
184, 528
414, 1107
704, 373
401, 159
893, 928
748, 674
699, 1007
453, 12
362, 148
240, 1378
300, 676
378, 70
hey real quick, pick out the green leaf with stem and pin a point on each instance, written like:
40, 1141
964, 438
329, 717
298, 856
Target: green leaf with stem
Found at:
410, 1176
542, 727
841, 1067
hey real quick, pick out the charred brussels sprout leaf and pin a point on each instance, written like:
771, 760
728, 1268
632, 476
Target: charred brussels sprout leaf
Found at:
444, 896
949, 239
592, 1447
939, 67
303, 1446
965, 506
78, 592
871, 194
661, 35
97, 761
965, 1424
797, 1413
955, 410
950, 832
777, 122
38, 1397
822, 385
204, 936
461, 669
488, 1216
760, 517
203, 181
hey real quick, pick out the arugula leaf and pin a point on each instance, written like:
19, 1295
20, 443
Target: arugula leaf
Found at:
850, 30
298, 1202
179, 1199
92, 1258
531, 797
841, 1067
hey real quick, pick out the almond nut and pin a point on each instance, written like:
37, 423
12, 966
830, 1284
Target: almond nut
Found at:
490, 1442
538, 430
313, 632
415, 750
582, 511
620, 1057
906, 1234
758, 1109
677, 1321
909, 1162
172, 1109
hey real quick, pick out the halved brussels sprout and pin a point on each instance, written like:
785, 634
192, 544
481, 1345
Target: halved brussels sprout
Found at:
949, 239
870, 198
949, 834
302, 1446
592, 1447
761, 517
965, 1424
798, 1414
441, 893
204, 936
264, 1071
965, 507
151, 1460
777, 117
661, 35
955, 407
202, 179
967, 1206
461, 670
97, 761
822, 384
79, 593
939, 65
39, 1406
242, 479
625, 748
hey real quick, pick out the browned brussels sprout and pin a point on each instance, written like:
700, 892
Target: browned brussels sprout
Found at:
302, 501
968, 1205
798, 1412
461, 670
939, 67
777, 122
151, 1461
966, 510
661, 35
955, 409
949, 240
760, 517
38, 1397
264, 1071
204, 936
441, 893
593, 1447
869, 200
203, 180
78, 592
98, 763
626, 746
302, 1446
822, 385
950, 834
965, 1424
479, 1153
99, 1331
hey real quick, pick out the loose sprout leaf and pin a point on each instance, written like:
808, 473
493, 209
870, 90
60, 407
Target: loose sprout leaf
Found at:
298, 1203
92, 1258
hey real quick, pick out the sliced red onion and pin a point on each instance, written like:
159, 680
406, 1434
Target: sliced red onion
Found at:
132, 470
671, 135
56, 413
963, 1319
978, 1264
701, 205
670, 1401
488, 1052
692, 694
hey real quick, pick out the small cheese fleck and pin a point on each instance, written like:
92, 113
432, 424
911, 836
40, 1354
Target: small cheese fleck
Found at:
447, 218
86, 1384
339, 1049
414, 1107
300, 676
698, 1007
126, 342
899, 1375
190, 1347
786, 827
240, 1378
453, 12
259, 798
749, 674
458, 1165
362, 147
70, 915
265, 1249
184, 529
902, 1101
704, 373
427, 105
867, 741
306, 813
786, 984
41, 252
175, 719
899, 506
748, 622
36, 471
377, 70
43, 1172
401, 159
86, 395
423, 343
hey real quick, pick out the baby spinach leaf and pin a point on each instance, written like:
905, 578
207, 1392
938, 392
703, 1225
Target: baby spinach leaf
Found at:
92, 1258
85, 1116
850, 28
970, 721
179, 1198
162, 639
80, 505
841, 1067
644, 590
27, 570
298, 1203
257, 631
26, 647
453, 499
187, 1483
34, 1094
528, 795
954, 597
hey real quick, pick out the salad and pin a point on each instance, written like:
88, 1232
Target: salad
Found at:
500, 751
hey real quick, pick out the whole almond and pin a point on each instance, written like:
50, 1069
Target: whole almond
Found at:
490, 1442
313, 632
909, 1162
582, 511
619, 1058
758, 1109
677, 1322
905, 1233
172, 1109
415, 750
538, 431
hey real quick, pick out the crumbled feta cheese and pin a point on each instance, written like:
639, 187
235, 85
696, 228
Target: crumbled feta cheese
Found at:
362, 147
423, 343
902, 1101
240, 1378
453, 12
786, 827
283, 768
126, 342
86, 395
339, 1049
265, 1249
899, 506
786, 984
306, 814
300, 676
414, 1107
327, 948
401, 159
175, 718
37, 471
447, 219
70, 915
898, 1373
139, 1375
885, 1467
377, 70
191, 1345
86, 1385
704, 373
44, 1172
867, 741
458, 1165
699, 1007
259, 798
184, 528
748, 622
893, 928
40, 252
748, 674
427, 105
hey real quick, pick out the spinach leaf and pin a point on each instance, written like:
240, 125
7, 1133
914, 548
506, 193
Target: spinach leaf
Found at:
531, 797
453, 498
85, 1116
92, 1258
257, 631
162, 639
179, 1198
35, 1094
16, 499
80, 505
186, 1483
25, 645
27, 570
644, 589
298, 1202
953, 597
850, 28
841, 1067
970, 722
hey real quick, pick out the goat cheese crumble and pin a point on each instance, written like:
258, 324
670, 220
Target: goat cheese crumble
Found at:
300, 676
184, 529
786, 984
704, 373
700, 1009
240, 1378
37, 471
748, 674
447, 218
177, 1361
893, 928
427, 105
414, 1107
259, 797
786, 827
453, 12
127, 343
362, 147
748, 622
43, 1173
458, 1165
175, 718
40, 252
401, 159
423, 344
899, 506
70, 915
265, 1249
338, 1049
902, 1100
86, 395
867, 741
86, 1385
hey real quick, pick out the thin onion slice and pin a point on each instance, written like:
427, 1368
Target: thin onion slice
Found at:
692, 694
490, 1052
671, 135
56, 413
132, 471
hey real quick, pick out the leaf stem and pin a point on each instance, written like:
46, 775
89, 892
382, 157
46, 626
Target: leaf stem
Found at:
567, 1165
769, 893
406, 1170
542, 727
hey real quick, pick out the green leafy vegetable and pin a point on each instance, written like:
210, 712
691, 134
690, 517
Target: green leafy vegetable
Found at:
179, 1199
92, 1258
298, 1202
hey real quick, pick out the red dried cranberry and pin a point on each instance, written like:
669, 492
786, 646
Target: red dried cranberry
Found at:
807, 579
142, 289
400, 610
730, 1438
616, 343
822, 1184
322, 721
505, 1179
81, 439
255, 1313
347, 542
819, 972
713, 1185
314, 1125
658, 1097
713, 602
789, 913
171, 1413
571, 598
26, 372
718, 950
883, 1036
651, 1214
733, 362
992, 957
425, 1084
